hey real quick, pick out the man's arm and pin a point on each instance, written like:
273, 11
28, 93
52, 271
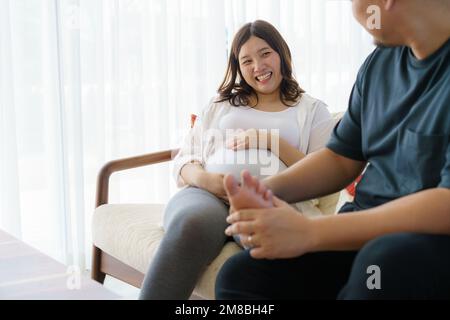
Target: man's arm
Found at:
281, 232
427, 211
318, 174
424, 212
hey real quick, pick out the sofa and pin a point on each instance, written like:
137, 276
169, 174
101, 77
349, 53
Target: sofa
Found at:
126, 236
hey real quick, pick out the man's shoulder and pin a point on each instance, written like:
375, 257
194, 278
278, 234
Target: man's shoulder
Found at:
381, 62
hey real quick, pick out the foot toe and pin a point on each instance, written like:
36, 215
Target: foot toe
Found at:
247, 179
231, 185
268, 195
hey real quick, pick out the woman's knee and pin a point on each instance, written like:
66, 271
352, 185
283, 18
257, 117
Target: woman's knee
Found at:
197, 208
199, 227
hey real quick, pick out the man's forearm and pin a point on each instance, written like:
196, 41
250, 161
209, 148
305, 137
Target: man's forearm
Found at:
424, 212
286, 152
321, 173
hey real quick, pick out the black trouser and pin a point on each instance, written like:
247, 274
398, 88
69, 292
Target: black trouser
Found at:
411, 266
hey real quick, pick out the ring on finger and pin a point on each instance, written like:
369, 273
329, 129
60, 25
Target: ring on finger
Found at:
249, 240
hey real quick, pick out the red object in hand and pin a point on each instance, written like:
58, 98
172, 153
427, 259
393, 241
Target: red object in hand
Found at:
193, 118
351, 189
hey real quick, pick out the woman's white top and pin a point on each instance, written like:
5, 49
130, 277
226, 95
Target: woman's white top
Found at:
249, 118
306, 126
227, 161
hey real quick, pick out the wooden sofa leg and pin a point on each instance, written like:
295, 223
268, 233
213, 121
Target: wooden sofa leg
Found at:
96, 274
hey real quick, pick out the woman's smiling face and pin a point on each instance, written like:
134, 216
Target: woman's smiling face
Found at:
260, 66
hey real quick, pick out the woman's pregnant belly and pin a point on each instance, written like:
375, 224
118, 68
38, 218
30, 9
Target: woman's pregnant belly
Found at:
260, 163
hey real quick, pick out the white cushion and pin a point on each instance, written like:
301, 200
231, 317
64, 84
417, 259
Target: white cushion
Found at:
132, 233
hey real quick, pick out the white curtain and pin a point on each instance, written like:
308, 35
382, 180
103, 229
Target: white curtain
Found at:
83, 82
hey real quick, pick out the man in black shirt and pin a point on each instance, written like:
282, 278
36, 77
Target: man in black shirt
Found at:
394, 240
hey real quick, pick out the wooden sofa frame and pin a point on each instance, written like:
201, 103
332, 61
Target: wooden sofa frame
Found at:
102, 263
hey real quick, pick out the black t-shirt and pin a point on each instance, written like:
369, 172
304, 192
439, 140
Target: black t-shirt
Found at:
399, 121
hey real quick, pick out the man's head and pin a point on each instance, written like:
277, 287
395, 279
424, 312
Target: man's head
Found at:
396, 22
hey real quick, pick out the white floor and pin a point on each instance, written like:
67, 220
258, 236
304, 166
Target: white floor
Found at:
126, 291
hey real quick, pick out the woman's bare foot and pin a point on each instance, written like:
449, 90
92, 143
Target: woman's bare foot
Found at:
251, 194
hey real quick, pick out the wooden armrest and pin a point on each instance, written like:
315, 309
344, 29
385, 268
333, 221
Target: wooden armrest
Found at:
125, 164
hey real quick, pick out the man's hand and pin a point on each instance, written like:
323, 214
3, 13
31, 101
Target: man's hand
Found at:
275, 233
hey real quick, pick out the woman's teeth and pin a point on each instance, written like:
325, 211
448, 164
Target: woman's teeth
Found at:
264, 76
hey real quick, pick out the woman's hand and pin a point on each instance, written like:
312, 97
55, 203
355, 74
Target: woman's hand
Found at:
213, 183
274, 233
195, 175
249, 139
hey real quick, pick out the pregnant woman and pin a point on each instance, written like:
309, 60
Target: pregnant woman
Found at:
262, 121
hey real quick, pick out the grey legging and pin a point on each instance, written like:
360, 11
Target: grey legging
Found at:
194, 223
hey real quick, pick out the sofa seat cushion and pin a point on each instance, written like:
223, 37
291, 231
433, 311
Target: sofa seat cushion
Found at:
132, 233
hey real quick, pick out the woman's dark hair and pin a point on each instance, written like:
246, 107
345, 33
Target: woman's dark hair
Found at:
235, 89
